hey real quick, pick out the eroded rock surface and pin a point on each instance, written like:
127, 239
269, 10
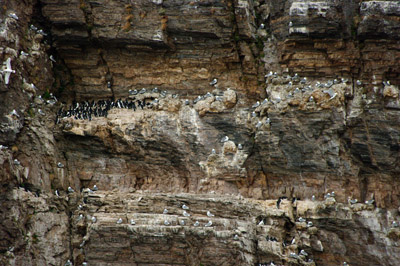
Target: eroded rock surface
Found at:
247, 102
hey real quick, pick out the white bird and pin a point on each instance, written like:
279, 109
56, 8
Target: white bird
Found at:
94, 219
16, 162
165, 211
351, 201
84, 263
185, 207
345, 264
119, 221
256, 104
32, 27
60, 165
80, 217
259, 124
225, 139
303, 252
166, 222
235, 237
358, 82
186, 214
82, 244
13, 15
52, 58
7, 70
209, 214
213, 151
240, 146
40, 111
313, 198
261, 223
310, 224
95, 188
42, 32
262, 26
71, 190
56, 192
182, 222
196, 223
311, 99
208, 224
24, 54
68, 263
290, 24
395, 224
133, 222
302, 220
268, 121
370, 202
293, 255
331, 93
213, 82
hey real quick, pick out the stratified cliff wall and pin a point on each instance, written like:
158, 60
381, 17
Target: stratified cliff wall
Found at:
247, 102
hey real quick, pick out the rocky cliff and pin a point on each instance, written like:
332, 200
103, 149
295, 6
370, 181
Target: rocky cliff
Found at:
204, 132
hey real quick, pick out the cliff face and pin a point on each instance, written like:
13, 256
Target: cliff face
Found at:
306, 92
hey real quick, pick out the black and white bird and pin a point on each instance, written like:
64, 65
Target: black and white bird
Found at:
225, 139
213, 82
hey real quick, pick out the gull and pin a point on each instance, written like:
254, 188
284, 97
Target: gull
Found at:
165, 211
142, 91
345, 264
268, 121
198, 99
310, 224
24, 54
311, 99
40, 111
68, 263
119, 221
303, 252
133, 92
328, 84
56, 193
335, 81
253, 114
293, 255
290, 24
256, 104
182, 222
386, 83
213, 151
265, 101
185, 207
370, 202
261, 223
60, 165
209, 214
13, 15
71, 190
2, 147
344, 80
7, 71
84, 263
240, 146
333, 194
328, 195
16, 162
208, 224
225, 139
175, 96
351, 201
297, 90
133, 222
358, 82
80, 217
32, 27
213, 82
42, 32
208, 94
186, 214
395, 224
262, 26
155, 90
82, 244
331, 93
302, 220
259, 124
52, 58
235, 237
303, 80
166, 222
278, 99
95, 188
196, 223
313, 198
163, 94
94, 219
187, 102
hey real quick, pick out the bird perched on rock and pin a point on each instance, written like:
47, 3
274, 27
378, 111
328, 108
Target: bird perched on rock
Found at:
313, 198
256, 104
302, 220
395, 224
303, 253
166, 222
240, 146
213, 82
208, 224
155, 90
182, 222
80, 217
56, 193
310, 224
95, 188
71, 190
186, 214
185, 207
351, 201
60, 165
119, 221
196, 223
209, 214
293, 255
235, 237
358, 82
213, 151
13, 15
133, 222
225, 139
68, 263
165, 211
261, 222
94, 219
52, 58
16, 162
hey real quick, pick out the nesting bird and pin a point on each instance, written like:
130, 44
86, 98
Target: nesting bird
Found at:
213, 82
166, 223
225, 139
71, 190
196, 223
208, 224
165, 211
94, 219
119, 221
185, 207
186, 214
133, 222
60, 165
13, 15
209, 214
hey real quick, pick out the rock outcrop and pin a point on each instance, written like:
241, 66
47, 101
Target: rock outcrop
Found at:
225, 106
